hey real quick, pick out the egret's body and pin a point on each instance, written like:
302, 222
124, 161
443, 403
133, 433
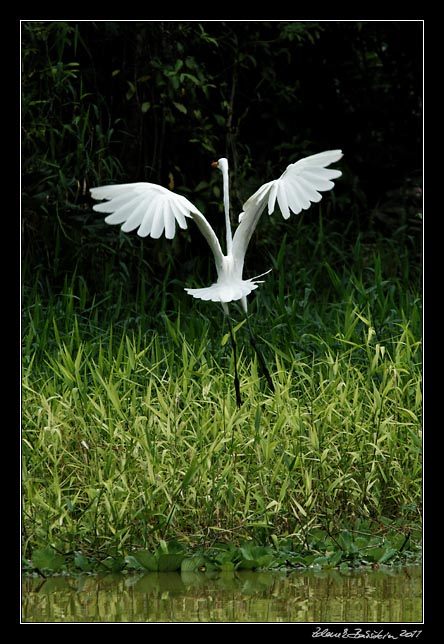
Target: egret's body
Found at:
154, 210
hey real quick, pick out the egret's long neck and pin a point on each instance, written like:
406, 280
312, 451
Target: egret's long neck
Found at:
226, 192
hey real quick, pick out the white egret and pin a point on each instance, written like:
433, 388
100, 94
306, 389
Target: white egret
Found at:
154, 210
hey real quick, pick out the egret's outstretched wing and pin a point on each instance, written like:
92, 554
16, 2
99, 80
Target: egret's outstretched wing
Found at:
295, 190
153, 210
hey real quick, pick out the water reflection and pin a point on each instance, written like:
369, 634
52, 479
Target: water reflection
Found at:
384, 595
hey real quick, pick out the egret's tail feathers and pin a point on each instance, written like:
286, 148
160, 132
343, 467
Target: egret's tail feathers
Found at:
225, 291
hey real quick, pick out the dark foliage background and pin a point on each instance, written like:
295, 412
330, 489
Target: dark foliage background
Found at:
107, 102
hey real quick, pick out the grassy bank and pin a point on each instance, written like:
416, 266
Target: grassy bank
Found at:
132, 437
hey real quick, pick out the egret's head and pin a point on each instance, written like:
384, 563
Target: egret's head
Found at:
222, 164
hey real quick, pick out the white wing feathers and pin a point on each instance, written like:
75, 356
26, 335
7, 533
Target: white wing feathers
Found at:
295, 190
154, 210
299, 186
151, 208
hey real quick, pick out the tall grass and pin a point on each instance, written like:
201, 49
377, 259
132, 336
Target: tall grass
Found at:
131, 433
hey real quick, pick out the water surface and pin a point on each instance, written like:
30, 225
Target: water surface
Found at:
367, 596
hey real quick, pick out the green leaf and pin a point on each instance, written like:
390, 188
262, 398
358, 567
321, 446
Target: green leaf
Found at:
114, 564
235, 330
320, 561
47, 558
227, 566
189, 473
246, 552
381, 554
335, 558
133, 564
82, 562
192, 564
173, 547
265, 560
247, 564
345, 540
191, 77
169, 563
180, 107
146, 559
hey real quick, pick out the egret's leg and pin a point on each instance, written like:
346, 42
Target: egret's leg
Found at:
233, 343
259, 355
